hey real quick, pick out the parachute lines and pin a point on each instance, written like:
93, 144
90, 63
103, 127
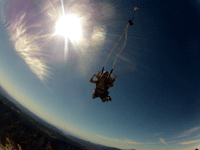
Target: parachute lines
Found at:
122, 47
125, 29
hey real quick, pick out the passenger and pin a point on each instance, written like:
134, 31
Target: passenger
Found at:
103, 83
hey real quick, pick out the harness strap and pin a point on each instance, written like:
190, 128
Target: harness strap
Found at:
101, 89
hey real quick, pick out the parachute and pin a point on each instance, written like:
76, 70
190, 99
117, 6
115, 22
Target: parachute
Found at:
136, 8
130, 22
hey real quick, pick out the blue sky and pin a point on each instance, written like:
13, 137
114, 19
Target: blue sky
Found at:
155, 99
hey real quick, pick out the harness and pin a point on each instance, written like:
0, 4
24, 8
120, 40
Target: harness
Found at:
101, 92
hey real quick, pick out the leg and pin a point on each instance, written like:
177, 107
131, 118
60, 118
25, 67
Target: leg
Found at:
108, 98
94, 94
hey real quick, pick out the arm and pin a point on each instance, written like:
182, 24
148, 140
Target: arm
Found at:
110, 84
114, 78
98, 75
91, 80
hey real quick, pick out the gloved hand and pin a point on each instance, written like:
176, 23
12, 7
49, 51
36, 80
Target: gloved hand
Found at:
99, 72
115, 76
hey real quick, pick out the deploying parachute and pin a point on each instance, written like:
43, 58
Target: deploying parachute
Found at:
104, 78
130, 22
136, 8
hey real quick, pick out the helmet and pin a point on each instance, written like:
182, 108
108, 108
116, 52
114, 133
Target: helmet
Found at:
105, 72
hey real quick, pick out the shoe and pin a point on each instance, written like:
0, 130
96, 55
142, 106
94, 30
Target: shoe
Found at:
109, 99
93, 96
103, 100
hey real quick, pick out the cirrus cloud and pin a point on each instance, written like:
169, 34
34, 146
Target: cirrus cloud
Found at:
189, 142
163, 141
128, 141
188, 132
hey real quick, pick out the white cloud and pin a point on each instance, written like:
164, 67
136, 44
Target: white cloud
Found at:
131, 141
128, 141
27, 46
112, 139
188, 132
189, 142
162, 141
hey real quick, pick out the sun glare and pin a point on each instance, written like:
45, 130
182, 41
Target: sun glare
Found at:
69, 26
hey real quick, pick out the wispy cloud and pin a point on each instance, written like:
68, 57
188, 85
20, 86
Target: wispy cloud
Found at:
33, 38
163, 141
128, 61
180, 141
132, 141
188, 132
112, 139
189, 142
128, 141
26, 45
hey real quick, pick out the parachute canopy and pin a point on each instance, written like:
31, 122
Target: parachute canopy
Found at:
136, 8
130, 21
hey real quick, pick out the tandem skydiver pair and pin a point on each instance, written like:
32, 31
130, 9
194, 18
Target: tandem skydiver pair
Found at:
104, 80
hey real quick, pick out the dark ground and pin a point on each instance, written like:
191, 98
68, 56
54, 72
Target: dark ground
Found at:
21, 130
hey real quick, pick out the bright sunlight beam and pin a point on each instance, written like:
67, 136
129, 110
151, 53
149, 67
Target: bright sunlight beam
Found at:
69, 26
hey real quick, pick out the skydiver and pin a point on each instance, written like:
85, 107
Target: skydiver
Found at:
103, 83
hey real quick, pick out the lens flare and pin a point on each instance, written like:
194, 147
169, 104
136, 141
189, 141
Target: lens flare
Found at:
34, 29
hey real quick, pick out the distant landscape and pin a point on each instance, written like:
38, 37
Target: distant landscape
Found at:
22, 130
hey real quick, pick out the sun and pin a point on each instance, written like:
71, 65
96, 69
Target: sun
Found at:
69, 26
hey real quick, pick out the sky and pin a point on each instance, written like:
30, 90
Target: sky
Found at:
156, 96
